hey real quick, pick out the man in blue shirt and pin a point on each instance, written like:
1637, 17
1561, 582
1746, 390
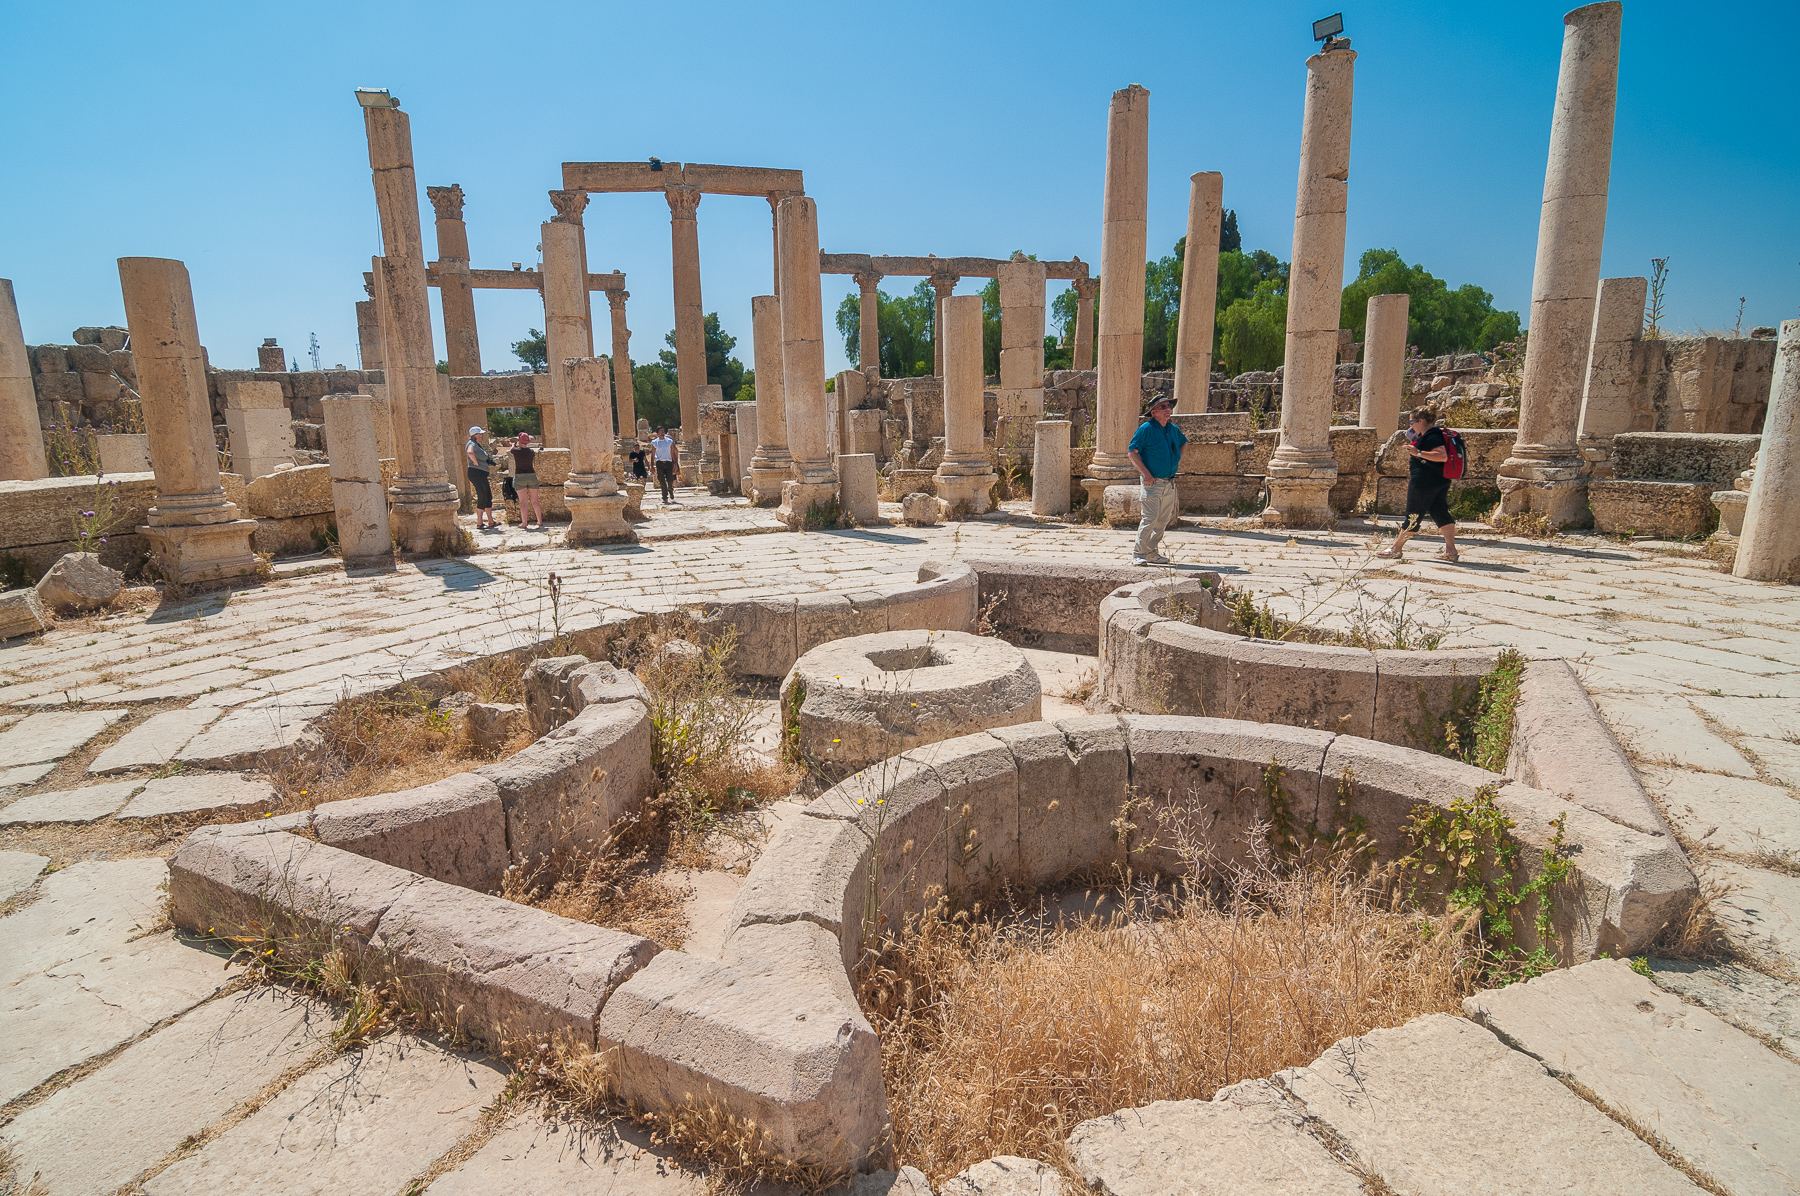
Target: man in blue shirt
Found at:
1156, 451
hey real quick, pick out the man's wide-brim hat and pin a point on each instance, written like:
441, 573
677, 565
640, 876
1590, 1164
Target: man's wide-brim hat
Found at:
1158, 401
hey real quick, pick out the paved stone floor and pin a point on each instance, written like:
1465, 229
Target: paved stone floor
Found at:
129, 1057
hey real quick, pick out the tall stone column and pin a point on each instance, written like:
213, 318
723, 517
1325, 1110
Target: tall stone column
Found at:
1303, 467
690, 316
1613, 372
357, 497
368, 329
21, 436
1021, 397
964, 477
868, 355
1769, 549
1543, 474
1384, 364
1123, 239
462, 348
814, 481
773, 464
424, 500
596, 504
624, 397
1083, 356
195, 534
1199, 293
943, 284
568, 333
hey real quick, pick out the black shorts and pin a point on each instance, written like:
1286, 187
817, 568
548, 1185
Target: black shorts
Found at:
484, 496
1427, 498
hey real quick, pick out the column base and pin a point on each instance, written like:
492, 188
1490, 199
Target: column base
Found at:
598, 519
964, 494
765, 484
188, 553
799, 499
423, 516
1541, 480
1300, 503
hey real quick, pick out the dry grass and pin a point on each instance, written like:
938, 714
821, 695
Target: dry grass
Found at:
998, 1038
612, 883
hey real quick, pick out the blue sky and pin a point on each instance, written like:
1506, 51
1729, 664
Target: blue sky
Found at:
226, 135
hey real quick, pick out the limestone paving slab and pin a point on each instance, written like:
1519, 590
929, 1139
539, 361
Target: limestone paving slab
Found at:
1665, 730
1743, 996
155, 740
87, 804
200, 793
109, 1127
1728, 813
366, 1122
544, 1158
1773, 717
1716, 1096
1760, 911
52, 735
19, 870
1778, 759
24, 774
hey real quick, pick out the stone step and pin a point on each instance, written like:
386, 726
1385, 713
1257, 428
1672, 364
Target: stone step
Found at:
1715, 1096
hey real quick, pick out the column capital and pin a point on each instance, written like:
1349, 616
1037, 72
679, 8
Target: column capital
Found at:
569, 206
447, 201
617, 298
775, 198
1086, 288
943, 284
868, 280
684, 201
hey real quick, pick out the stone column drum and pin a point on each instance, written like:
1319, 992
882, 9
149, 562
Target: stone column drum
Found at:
772, 465
194, 533
21, 437
357, 496
1303, 468
424, 499
567, 332
1122, 243
1384, 364
868, 328
596, 504
1543, 475
1021, 286
1612, 372
814, 481
964, 478
1050, 468
1199, 293
624, 397
462, 345
1769, 549
944, 285
690, 317
1082, 357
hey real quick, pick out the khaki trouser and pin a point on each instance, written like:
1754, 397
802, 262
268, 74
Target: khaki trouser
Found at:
1158, 511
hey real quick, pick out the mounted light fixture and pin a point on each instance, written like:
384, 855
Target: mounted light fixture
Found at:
376, 97
656, 164
1327, 28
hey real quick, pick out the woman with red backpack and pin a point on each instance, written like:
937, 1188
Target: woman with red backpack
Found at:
1437, 459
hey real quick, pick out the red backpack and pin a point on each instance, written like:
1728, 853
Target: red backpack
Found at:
1456, 455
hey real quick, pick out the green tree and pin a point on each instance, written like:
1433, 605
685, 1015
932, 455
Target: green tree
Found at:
906, 326
990, 327
1252, 332
1162, 307
1229, 240
722, 369
533, 351
654, 393
1439, 320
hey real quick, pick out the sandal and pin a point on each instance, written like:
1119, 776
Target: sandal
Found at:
1390, 554
1450, 555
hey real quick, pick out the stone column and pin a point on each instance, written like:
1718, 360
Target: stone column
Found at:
462, 348
1303, 467
568, 334
690, 318
1123, 239
1769, 549
943, 284
1021, 396
357, 495
1083, 356
1199, 293
772, 465
1050, 468
1612, 372
814, 481
868, 355
624, 397
1384, 364
745, 418
964, 477
195, 534
596, 504
368, 331
424, 500
21, 436
1543, 474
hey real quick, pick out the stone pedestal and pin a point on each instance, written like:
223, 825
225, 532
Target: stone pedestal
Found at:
814, 482
1769, 549
1544, 475
259, 428
1384, 363
1122, 245
1050, 468
857, 479
772, 465
357, 495
195, 534
596, 504
1303, 468
1199, 293
21, 437
964, 477
1612, 372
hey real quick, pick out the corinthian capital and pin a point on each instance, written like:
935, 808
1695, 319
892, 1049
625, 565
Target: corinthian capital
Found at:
447, 201
683, 201
569, 206
617, 299
943, 284
1086, 288
868, 280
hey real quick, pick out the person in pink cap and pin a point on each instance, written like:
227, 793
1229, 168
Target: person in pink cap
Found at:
525, 481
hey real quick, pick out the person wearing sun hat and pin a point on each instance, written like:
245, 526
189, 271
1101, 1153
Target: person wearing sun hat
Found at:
1156, 451
525, 480
481, 462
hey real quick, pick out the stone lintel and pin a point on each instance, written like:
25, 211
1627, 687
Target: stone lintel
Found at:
925, 267
714, 180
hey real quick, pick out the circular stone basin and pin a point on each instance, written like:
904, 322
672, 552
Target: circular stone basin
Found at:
869, 697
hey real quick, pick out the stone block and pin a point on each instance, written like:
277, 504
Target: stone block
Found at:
945, 598
856, 488
78, 581
548, 696
19, 870
53, 389
248, 395
765, 645
813, 871
100, 386
1664, 510
488, 726
453, 830
39, 512
822, 618
601, 683
981, 781
1006, 1175
154, 741
1415, 691
201, 793
918, 508
1067, 803
552, 466
49, 359
89, 359
1561, 745
292, 492
1045, 604
51, 735
87, 804
1302, 685
124, 452
1713, 458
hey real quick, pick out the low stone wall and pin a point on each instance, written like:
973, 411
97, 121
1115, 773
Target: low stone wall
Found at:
1665, 482
39, 518
1047, 604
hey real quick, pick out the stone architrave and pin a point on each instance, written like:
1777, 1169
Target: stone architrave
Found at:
1021, 397
944, 285
568, 333
1384, 364
814, 481
964, 479
1769, 549
1050, 468
424, 498
1082, 358
259, 428
624, 397
1123, 238
357, 495
1199, 293
21, 436
868, 330
596, 503
690, 317
1543, 475
1303, 468
772, 465
194, 532
462, 346
1612, 372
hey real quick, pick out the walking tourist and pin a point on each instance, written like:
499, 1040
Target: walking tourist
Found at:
481, 462
1156, 451
1427, 489
668, 461
525, 481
